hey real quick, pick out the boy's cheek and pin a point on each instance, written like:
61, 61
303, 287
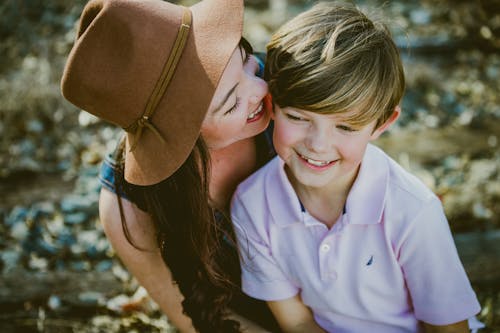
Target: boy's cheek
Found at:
284, 135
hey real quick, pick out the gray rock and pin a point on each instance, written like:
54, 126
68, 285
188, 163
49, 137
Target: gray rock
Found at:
17, 214
10, 259
420, 16
54, 302
19, 231
104, 265
75, 203
76, 218
92, 298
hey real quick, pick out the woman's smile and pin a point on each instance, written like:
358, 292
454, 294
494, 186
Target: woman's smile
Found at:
257, 114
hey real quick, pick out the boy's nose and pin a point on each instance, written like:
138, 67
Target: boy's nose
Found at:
319, 140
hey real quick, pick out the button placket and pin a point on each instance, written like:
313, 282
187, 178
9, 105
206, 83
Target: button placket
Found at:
324, 251
325, 248
327, 267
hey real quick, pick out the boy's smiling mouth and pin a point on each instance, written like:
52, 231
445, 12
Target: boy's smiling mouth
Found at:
321, 164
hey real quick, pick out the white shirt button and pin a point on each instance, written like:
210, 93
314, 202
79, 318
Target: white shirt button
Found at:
325, 248
333, 275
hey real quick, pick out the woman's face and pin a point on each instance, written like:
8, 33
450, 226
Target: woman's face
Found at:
237, 110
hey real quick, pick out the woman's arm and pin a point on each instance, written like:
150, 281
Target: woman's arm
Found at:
247, 326
460, 327
293, 316
147, 266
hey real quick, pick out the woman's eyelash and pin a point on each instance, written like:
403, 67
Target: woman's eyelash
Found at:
233, 108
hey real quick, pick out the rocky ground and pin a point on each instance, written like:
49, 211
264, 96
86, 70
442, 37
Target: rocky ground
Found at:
58, 273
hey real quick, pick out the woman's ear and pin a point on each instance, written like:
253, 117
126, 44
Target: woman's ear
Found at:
392, 119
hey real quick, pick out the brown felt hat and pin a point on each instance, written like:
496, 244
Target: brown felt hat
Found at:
152, 67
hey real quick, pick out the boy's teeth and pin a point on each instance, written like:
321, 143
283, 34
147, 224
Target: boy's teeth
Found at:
256, 112
316, 163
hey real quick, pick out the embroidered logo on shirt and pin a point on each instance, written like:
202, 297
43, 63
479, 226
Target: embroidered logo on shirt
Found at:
370, 261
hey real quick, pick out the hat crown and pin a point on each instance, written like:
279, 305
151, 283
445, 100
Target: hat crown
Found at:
118, 60
121, 47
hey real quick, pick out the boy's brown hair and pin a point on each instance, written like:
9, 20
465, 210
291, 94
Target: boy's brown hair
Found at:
334, 59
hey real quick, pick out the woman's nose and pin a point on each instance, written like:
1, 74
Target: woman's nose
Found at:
259, 90
255, 99
256, 88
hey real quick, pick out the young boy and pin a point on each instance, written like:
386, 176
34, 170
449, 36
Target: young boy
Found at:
333, 233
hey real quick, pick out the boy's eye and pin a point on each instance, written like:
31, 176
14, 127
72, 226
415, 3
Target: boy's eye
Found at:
294, 118
346, 128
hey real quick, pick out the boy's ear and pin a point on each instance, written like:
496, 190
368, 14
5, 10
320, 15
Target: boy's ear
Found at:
392, 119
273, 113
269, 105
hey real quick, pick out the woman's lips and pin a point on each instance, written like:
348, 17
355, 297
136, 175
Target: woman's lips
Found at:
256, 115
265, 106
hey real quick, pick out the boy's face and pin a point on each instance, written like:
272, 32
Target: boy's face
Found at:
319, 150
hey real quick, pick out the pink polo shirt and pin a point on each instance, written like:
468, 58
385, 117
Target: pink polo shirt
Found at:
387, 263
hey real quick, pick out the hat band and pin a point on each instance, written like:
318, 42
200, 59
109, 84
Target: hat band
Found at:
144, 121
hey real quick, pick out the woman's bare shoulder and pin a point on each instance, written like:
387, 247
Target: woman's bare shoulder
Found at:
138, 222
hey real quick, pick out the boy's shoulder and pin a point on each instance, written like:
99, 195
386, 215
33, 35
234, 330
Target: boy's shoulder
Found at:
405, 194
403, 198
402, 180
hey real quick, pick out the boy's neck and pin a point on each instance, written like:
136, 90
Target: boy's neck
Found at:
326, 204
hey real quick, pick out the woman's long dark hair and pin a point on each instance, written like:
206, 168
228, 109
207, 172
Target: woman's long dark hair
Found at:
199, 249
191, 240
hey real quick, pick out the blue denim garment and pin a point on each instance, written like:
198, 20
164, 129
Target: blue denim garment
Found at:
107, 175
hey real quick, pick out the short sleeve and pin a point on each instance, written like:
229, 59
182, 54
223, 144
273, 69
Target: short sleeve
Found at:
262, 277
438, 285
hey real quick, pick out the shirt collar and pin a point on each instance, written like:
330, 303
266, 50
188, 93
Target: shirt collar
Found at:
365, 202
280, 196
366, 199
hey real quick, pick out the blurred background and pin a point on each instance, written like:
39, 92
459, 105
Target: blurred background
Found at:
58, 272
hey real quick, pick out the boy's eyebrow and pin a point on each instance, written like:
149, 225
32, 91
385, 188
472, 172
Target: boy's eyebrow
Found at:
223, 102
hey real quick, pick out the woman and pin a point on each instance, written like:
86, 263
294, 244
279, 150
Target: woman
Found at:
181, 83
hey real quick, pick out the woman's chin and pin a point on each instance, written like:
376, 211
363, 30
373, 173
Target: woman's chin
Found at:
258, 126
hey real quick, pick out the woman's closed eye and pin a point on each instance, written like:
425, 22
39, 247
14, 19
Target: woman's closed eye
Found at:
234, 107
245, 57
